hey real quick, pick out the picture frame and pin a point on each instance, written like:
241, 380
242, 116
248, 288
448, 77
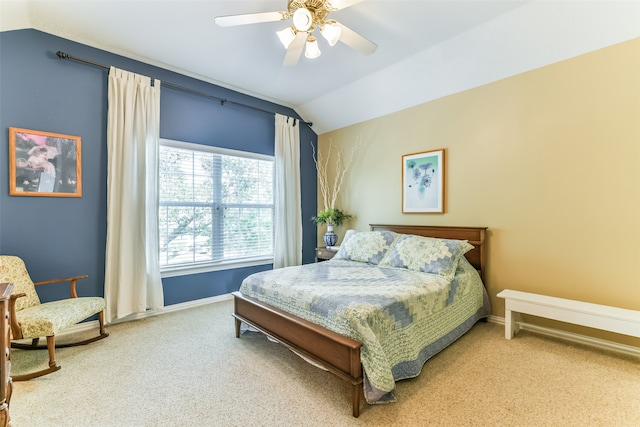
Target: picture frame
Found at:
44, 164
423, 182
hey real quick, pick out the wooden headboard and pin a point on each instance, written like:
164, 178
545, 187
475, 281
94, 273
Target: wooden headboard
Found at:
475, 236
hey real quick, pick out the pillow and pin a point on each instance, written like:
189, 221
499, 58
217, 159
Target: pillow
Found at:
365, 246
426, 254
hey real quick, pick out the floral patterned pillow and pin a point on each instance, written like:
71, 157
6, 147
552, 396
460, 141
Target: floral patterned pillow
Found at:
426, 254
366, 246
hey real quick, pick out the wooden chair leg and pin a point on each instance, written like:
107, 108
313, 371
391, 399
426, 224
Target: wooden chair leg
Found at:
101, 321
51, 347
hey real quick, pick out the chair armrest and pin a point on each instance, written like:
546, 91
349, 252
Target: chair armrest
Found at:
16, 330
74, 293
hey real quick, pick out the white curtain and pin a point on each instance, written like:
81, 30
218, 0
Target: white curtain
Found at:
132, 271
287, 250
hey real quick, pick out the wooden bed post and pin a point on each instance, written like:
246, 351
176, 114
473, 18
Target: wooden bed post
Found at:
336, 353
355, 399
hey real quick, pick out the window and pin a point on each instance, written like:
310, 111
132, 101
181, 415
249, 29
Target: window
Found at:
216, 207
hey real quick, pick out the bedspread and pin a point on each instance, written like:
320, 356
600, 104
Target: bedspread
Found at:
401, 317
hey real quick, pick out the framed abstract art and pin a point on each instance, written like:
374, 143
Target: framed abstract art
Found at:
423, 182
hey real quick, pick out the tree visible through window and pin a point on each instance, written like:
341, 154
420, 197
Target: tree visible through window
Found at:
215, 205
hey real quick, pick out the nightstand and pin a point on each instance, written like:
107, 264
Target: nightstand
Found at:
324, 254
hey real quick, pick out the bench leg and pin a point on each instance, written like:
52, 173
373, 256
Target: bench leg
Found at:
510, 325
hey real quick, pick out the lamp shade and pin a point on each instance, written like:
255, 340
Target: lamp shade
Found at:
312, 50
331, 32
286, 36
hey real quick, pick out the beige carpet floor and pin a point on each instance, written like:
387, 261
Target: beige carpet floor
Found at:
187, 369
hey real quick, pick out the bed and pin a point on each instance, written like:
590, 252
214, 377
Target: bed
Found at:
340, 315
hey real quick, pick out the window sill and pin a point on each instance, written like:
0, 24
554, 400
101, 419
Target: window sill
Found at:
205, 268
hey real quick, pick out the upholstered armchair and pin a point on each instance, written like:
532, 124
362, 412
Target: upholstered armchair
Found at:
31, 319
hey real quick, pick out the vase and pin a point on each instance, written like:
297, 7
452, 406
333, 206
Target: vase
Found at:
330, 238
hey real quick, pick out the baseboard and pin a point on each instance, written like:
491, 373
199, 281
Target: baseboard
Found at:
555, 333
168, 309
601, 344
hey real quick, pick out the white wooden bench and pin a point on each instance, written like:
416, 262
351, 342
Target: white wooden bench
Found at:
597, 316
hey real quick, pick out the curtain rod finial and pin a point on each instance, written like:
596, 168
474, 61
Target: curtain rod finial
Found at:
62, 55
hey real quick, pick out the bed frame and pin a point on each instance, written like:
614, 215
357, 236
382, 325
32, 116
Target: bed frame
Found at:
329, 350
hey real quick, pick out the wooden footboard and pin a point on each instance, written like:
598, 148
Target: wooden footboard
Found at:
336, 353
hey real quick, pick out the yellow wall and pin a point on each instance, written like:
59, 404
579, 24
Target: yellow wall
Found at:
549, 160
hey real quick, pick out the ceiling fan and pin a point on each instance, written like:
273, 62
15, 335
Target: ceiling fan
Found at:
307, 16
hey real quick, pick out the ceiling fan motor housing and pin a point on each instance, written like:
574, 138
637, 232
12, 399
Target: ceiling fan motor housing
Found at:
319, 10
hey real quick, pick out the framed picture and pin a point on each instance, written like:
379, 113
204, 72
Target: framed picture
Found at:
44, 164
423, 182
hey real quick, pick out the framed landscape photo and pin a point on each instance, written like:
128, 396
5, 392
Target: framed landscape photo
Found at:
44, 164
423, 183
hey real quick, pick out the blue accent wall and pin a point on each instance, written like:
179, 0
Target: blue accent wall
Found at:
62, 237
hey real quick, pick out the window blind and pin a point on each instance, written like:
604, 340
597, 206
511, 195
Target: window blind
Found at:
215, 205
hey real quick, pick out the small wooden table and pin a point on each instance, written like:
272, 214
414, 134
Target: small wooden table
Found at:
324, 254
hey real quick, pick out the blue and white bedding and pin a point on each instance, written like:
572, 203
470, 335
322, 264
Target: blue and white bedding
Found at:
401, 315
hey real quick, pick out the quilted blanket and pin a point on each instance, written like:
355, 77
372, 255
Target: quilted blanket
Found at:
401, 317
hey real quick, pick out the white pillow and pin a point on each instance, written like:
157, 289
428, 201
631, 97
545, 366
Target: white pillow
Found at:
366, 246
426, 254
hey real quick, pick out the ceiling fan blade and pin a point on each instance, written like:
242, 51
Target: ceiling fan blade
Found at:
250, 18
295, 49
341, 4
356, 41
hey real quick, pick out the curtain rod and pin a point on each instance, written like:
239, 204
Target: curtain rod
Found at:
63, 55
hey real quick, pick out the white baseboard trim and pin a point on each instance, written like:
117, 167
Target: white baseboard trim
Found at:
601, 344
168, 309
555, 333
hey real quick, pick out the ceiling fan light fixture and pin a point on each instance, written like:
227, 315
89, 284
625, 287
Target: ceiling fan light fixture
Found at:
305, 16
331, 32
286, 36
312, 50
302, 19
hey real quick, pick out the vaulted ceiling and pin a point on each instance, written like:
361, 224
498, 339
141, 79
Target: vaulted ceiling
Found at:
426, 49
